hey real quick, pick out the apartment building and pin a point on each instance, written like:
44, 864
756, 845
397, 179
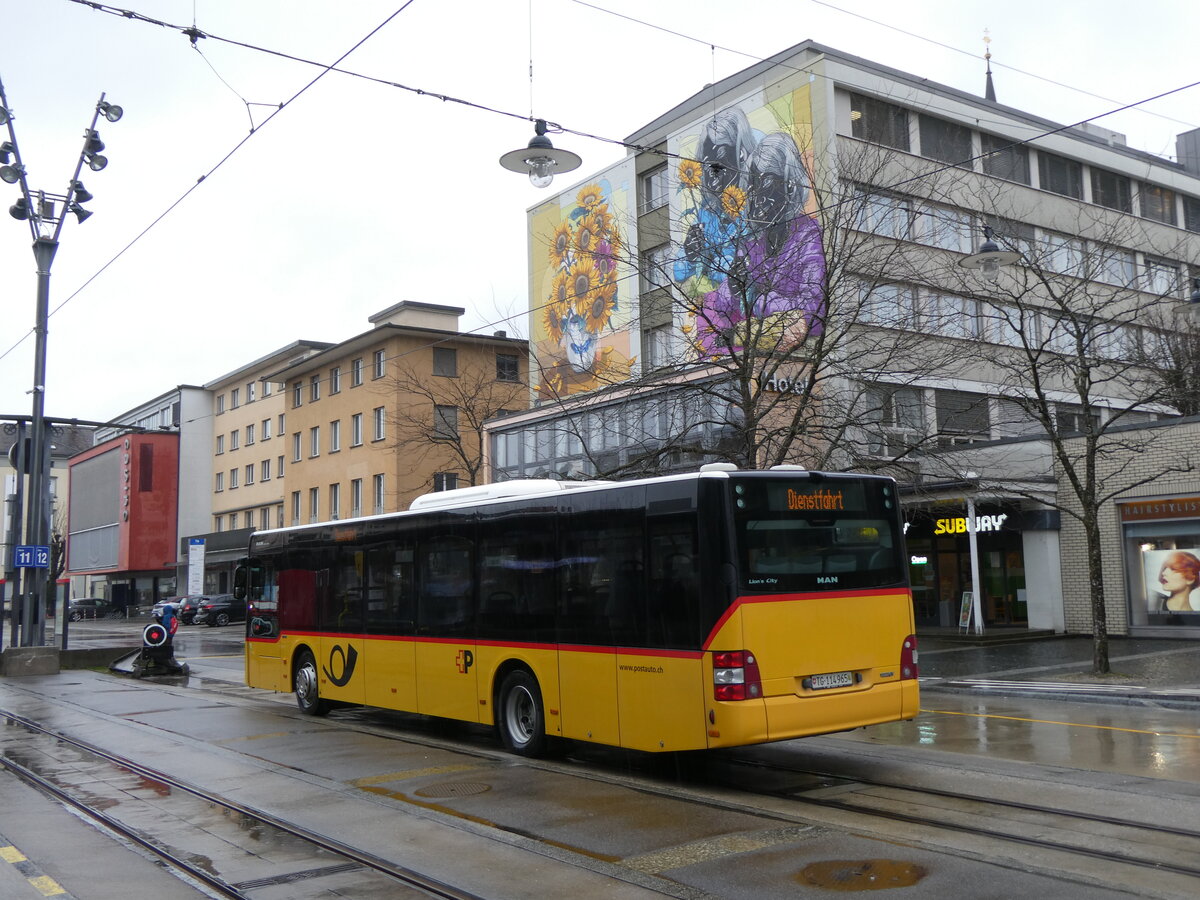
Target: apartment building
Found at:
383, 417
786, 252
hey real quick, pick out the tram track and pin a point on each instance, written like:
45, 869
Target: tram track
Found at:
332, 858
961, 812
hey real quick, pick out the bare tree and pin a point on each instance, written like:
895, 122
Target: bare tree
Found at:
1064, 342
438, 421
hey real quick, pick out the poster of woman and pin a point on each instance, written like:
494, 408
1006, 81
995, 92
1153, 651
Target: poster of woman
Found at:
1172, 580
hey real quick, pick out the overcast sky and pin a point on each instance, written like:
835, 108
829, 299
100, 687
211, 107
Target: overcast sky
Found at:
358, 195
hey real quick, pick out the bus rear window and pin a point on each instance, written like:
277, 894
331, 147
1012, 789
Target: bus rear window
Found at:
832, 535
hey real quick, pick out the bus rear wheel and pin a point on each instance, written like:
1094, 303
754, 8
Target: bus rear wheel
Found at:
308, 694
521, 717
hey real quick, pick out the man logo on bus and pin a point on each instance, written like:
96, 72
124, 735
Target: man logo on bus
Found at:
349, 659
465, 660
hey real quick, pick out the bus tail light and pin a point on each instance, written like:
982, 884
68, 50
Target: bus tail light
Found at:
908, 658
735, 676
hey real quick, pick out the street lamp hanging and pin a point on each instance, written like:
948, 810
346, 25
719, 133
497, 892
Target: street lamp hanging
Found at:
540, 159
990, 257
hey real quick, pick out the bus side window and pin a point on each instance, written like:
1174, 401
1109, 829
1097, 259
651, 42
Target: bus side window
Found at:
445, 602
673, 605
391, 590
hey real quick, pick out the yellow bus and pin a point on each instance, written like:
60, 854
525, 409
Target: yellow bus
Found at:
712, 609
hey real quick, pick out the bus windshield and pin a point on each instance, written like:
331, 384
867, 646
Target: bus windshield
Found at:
832, 534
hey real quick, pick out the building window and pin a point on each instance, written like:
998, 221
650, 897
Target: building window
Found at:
945, 141
233, 479
508, 367
314, 504
233, 521
314, 388
356, 431
962, 418
235, 437
655, 189
249, 474
250, 392
884, 215
266, 389
264, 518
356, 367
379, 423
445, 422
266, 470
295, 507
314, 441
445, 481
377, 493
279, 467
1158, 203
335, 501
249, 435
356, 497
220, 523
1191, 213
235, 398
1161, 277
953, 316
220, 485
445, 361
266, 429
335, 380
898, 415
220, 444
1113, 265
1062, 254
220, 404
889, 305
1060, 175
1111, 190
878, 122
296, 447
941, 226
656, 267
656, 343
378, 364
297, 394
1005, 159
335, 436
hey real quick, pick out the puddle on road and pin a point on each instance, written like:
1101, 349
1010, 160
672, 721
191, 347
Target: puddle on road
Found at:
861, 874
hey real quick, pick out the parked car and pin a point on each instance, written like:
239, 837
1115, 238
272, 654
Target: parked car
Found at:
158, 607
186, 610
88, 608
220, 609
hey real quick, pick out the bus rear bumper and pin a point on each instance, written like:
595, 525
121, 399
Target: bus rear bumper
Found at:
788, 717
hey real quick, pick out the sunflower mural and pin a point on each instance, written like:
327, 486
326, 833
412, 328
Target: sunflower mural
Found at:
581, 305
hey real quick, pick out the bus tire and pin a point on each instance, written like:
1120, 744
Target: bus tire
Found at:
521, 717
305, 682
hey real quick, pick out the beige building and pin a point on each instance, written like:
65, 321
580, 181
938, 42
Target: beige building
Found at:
392, 413
249, 427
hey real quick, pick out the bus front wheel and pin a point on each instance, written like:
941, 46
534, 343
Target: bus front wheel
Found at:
522, 718
308, 694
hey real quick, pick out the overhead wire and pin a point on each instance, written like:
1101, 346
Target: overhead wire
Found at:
195, 34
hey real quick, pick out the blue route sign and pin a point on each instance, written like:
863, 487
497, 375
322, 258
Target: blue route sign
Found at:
31, 557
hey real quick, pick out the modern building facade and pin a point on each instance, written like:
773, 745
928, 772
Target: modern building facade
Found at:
818, 208
123, 520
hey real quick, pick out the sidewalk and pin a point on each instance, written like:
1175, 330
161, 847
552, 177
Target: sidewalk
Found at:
1159, 671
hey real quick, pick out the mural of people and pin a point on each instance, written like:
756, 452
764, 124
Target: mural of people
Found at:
750, 249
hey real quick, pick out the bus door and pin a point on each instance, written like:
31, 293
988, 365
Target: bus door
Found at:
341, 660
661, 688
391, 610
447, 683
599, 572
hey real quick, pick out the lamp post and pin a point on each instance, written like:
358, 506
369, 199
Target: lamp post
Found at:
45, 214
540, 159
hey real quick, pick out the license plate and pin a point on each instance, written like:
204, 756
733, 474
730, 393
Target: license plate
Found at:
832, 680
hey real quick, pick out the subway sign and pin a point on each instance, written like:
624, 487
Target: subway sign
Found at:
963, 525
